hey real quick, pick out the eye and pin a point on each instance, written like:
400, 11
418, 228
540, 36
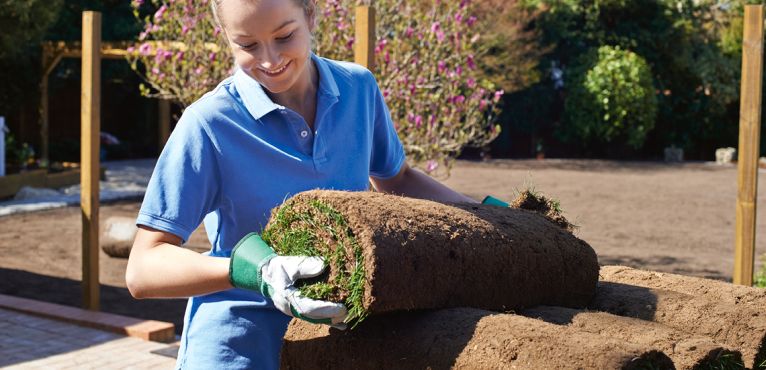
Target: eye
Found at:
248, 47
286, 38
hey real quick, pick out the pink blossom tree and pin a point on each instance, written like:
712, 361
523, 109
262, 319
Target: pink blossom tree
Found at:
180, 53
426, 57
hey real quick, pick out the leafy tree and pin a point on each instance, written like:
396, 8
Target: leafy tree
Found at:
695, 77
611, 97
24, 22
427, 56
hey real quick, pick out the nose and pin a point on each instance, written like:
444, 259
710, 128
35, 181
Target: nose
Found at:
270, 58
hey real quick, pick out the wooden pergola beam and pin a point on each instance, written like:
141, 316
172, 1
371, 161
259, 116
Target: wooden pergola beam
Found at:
73, 49
55, 51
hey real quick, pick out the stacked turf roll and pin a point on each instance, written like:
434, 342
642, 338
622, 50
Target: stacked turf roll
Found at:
432, 285
461, 338
389, 253
728, 314
687, 350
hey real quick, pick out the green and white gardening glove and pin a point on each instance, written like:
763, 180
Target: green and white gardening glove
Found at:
254, 265
494, 201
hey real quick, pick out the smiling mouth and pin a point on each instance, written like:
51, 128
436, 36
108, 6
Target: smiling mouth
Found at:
276, 72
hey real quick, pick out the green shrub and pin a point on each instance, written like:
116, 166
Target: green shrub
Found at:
611, 97
691, 46
760, 277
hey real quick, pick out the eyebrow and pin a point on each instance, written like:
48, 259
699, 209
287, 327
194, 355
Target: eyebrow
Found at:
283, 25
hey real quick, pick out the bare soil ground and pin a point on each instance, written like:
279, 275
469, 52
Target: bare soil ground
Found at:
673, 218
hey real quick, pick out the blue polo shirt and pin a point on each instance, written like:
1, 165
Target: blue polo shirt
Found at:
233, 156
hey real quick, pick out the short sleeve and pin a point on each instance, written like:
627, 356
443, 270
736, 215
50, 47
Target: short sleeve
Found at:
387, 155
185, 184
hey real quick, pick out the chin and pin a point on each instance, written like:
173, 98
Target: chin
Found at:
275, 88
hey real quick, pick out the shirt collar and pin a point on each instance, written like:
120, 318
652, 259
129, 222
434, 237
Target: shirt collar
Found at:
259, 104
327, 83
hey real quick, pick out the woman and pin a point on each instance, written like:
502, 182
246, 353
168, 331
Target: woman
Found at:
287, 121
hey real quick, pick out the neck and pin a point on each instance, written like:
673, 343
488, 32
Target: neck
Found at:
303, 92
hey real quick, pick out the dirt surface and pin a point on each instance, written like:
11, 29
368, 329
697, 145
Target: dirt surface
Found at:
41, 259
688, 351
665, 217
481, 256
460, 338
672, 218
740, 327
714, 290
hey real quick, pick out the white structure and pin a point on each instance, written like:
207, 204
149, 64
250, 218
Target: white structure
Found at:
725, 155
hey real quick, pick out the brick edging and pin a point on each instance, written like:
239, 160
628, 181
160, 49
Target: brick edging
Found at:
157, 331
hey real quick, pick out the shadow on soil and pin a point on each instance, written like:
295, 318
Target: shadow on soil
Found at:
625, 300
410, 340
115, 300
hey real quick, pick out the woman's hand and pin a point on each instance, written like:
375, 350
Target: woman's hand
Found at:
255, 266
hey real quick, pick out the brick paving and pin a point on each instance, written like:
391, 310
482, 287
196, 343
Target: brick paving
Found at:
31, 342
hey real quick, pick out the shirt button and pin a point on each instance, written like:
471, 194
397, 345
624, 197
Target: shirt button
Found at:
304, 134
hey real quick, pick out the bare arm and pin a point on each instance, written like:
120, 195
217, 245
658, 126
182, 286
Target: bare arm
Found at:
413, 183
159, 268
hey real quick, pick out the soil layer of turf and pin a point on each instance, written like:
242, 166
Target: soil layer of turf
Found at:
390, 253
716, 290
688, 351
459, 338
740, 327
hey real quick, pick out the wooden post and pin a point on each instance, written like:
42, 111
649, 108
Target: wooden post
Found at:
364, 49
164, 122
749, 142
90, 113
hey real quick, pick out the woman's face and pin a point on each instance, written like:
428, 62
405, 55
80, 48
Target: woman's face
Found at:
270, 40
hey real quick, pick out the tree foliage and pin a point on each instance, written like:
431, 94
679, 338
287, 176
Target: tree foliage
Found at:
427, 56
188, 57
689, 45
611, 97
427, 59
24, 22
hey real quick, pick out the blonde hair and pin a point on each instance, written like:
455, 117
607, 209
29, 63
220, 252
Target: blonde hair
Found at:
309, 8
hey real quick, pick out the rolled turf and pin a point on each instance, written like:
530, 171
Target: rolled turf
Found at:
459, 338
740, 327
688, 351
711, 289
388, 253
